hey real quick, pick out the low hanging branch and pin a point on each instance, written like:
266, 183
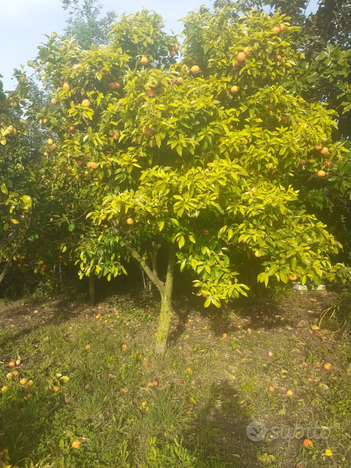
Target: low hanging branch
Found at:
153, 277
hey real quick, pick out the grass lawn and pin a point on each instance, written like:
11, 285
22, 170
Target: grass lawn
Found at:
92, 380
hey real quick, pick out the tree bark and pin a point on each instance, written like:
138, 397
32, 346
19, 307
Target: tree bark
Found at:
165, 290
4, 271
166, 314
91, 289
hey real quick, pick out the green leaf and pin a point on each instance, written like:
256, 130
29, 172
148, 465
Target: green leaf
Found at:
4, 189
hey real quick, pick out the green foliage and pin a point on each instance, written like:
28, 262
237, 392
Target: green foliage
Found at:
190, 161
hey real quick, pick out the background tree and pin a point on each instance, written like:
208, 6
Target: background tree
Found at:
84, 22
17, 176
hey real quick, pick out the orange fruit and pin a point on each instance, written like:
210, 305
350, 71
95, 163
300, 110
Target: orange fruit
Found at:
54, 102
247, 52
66, 86
12, 364
86, 103
276, 30
155, 383
258, 254
279, 57
321, 173
180, 80
87, 346
318, 147
292, 278
329, 163
56, 389
326, 366
241, 56
290, 392
72, 128
130, 221
195, 69
144, 61
76, 444
205, 232
310, 379
324, 151
282, 27
147, 131
172, 53
302, 162
150, 92
307, 443
234, 89
270, 354
224, 335
76, 66
270, 388
93, 165
23, 381
14, 373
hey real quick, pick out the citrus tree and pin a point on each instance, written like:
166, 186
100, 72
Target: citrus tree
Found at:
17, 178
199, 155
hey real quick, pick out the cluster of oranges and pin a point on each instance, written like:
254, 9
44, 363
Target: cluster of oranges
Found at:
15, 373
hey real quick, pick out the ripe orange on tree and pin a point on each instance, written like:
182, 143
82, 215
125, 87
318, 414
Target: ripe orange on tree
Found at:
321, 173
144, 61
234, 89
86, 103
130, 221
93, 165
195, 69
324, 151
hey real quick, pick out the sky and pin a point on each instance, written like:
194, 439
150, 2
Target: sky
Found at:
24, 23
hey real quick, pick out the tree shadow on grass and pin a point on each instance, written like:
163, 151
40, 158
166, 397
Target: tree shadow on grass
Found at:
218, 432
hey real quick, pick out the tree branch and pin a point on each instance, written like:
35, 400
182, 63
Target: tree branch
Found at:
154, 278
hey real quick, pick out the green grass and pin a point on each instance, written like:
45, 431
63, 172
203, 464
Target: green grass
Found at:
209, 387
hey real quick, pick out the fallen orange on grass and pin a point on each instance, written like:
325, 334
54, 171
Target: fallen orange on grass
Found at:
76, 444
23, 381
87, 346
12, 364
124, 347
56, 389
290, 392
307, 442
270, 388
155, 383
326, 366
270, 354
